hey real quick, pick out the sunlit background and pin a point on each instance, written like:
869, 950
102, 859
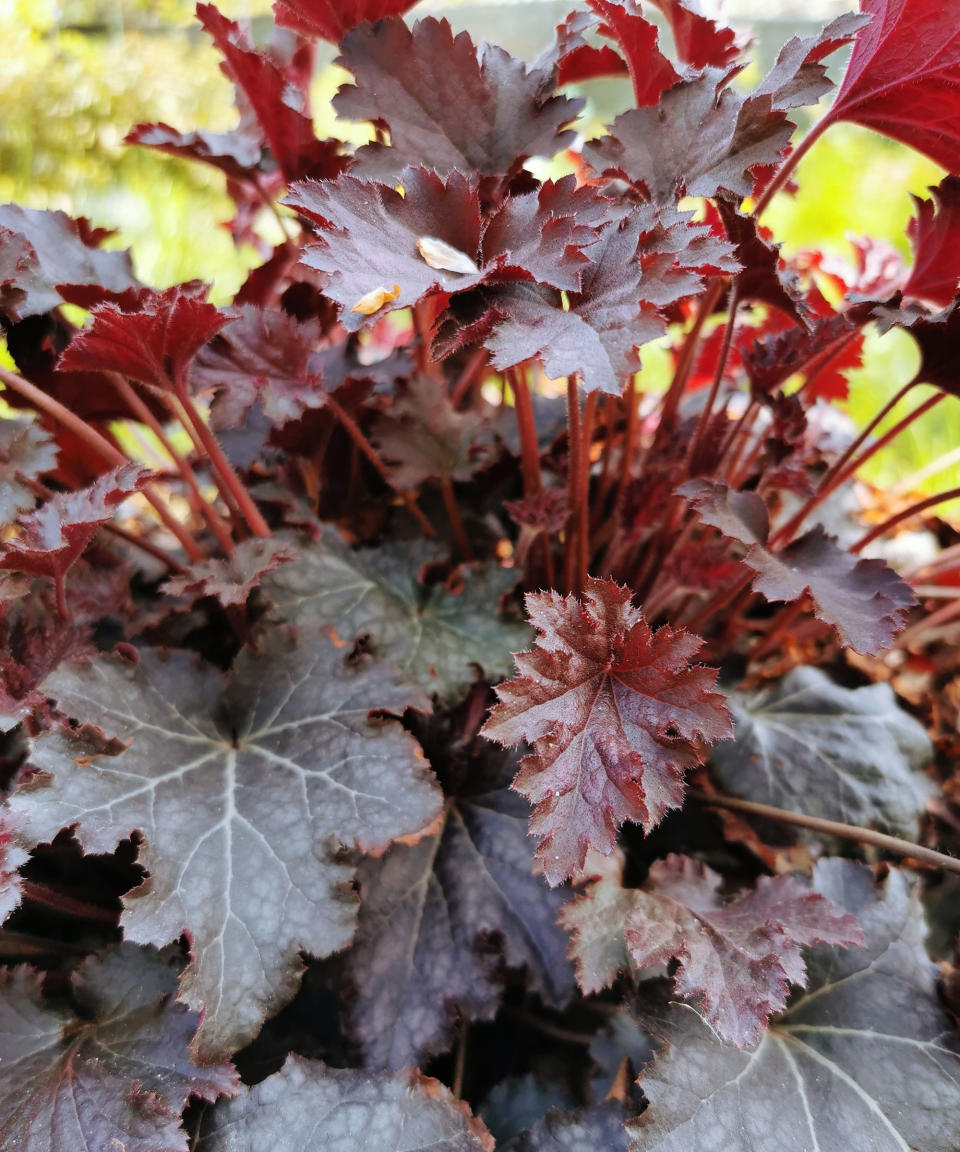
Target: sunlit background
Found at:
76, 75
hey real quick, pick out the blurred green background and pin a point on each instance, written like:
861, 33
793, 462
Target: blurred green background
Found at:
77, 75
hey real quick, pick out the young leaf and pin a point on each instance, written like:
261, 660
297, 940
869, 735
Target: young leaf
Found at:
423, 437
332, 19
638, 267
935, 236
348, 1108
811, 746
863, 600
416, 963
154, 344
616, 714
449, 105
246, 792
863, 1060
53, 538
435, 635
516, 1103
116, 1074
736, 960
40, 250
903, 76
26, 452
264, 355
583, 1130
232, 579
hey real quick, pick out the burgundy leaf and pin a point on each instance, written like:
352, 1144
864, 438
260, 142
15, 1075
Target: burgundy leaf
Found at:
864, 601
154, 344
650, 71
736, 960
332, 19
703, 135
115, 1072
699, 41
762, 278
903, 78
263, 355
237, 153
276, 98
40, 250
638, 267
370, 235
935, 235
448, 104
616, 714
545, 511
53, 538
824, 352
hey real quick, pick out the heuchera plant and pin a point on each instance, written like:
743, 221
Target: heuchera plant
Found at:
286, 585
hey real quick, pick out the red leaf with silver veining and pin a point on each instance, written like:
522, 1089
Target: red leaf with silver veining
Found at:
332, 19
154, 345
935, 235
616, 714
903, 78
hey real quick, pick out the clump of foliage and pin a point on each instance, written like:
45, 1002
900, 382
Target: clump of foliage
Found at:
287, 584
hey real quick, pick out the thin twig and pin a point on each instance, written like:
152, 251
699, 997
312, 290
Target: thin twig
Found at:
892, 844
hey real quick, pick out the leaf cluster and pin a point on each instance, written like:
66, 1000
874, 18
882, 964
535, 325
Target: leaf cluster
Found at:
284, 584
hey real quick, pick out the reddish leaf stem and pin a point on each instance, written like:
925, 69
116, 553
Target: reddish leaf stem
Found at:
791, 162
906, 514
469, 376
142, 412
671, 401
363, 444
583, 489
707, 410
527, 430
104, 449
456, 520
847, 467
229, 481
892, 844
574, 449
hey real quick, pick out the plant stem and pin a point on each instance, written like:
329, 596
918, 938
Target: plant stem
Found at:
847, 467
574, 449
671, 401
363, 444
583, 489
527, 430
892, 844
456, 521
229, 480
104, 449
468, 377
142, 412
707, 410
460, 1064
787, 167
906, 514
